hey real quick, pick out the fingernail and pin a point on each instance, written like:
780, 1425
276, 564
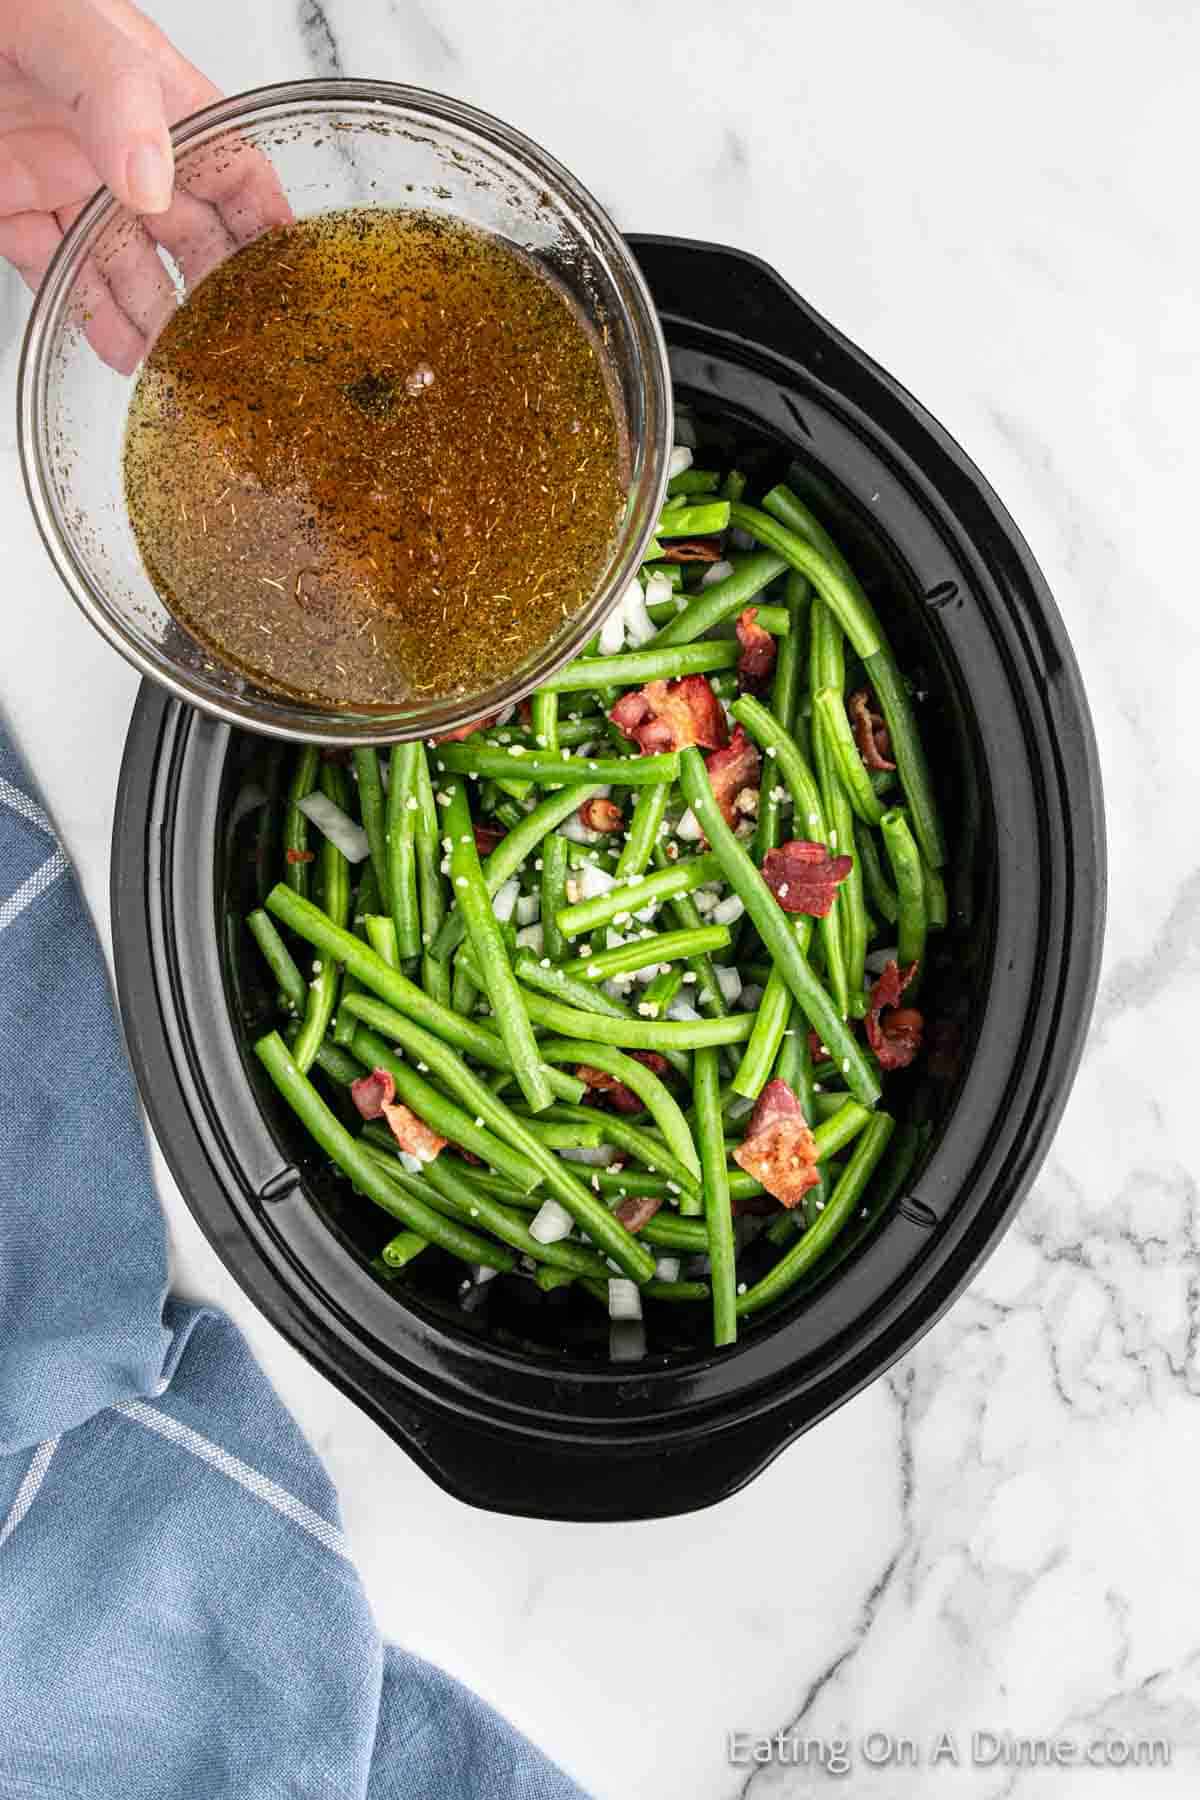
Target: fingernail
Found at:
149, 178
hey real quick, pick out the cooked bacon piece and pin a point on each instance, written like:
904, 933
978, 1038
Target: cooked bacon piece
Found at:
468, 1156
779, 1149
525, 713
412, 1133
816, 1049
464, 731
731, 770
758, 652
685, 550
637, 1210
893, 1031
487, 837
301, 856
870, 731
371, 1093
601, 815
804, 877
669, 715
609, 1088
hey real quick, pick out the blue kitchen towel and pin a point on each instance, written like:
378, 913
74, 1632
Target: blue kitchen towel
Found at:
179, 1619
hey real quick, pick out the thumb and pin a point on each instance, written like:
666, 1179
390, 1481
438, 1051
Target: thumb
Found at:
112, 86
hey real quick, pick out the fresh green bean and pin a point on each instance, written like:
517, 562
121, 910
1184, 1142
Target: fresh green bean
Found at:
489, 953
734, 485
808, 820
606, 1232
879, 889
511, 852
464, 989
907, 872
936, 910
310, 923
773, 928
644, 830
687, 917
835, 583
638, 1034
647, 1147
659, 1102
704, 520
758, 1058
543, 711
335, 900
431, 887
724, 598
695, 481
653, 1290
337, 1063
639, 953
838, 1211
470, 1205
554, 892
632, 897
785, 687
444, 1116
400, 1250
372, 807
278, 959
381, 935
584, 996
632, 668
830, 705
718, 1215
401, 885
391, 1192
295, 824
851, 904
661, 992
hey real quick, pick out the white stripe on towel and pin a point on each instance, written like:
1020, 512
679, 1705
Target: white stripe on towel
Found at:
18, 802
27, 1493
31, 887
261, 1486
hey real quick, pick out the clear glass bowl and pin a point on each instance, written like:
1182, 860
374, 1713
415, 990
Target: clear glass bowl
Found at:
310, 146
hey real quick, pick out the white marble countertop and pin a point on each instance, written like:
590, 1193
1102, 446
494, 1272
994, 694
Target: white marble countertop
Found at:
997, 203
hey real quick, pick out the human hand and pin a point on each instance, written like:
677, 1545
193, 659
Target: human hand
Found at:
88, 89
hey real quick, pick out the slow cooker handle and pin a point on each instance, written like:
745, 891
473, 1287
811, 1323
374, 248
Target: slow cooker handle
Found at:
738, 295
540, 1479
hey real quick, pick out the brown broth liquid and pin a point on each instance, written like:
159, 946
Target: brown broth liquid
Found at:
374, 459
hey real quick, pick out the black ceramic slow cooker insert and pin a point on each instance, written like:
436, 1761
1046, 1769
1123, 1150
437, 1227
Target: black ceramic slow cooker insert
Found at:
516, 1406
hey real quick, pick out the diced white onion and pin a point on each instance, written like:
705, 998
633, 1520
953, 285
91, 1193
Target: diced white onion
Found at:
667, 1268
682, 1009
504, 900
727, 910
550, 1223
685, 431
249, 799
528, 908
749, 997
878, 960
624, 1300
681, 459
659, 588
532, 937
689, 827
595, 1156
729, 981
715, 572
337, 826
413, 1164
594, 881
617, 988
626, 1340
705, 901
612, 632
646, 975
639, 626
480, 1272
576, 832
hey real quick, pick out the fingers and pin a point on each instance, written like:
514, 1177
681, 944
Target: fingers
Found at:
132, 271
28, 241
42, 168
113, 85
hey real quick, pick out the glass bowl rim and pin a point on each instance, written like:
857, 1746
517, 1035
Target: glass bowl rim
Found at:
269, 715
